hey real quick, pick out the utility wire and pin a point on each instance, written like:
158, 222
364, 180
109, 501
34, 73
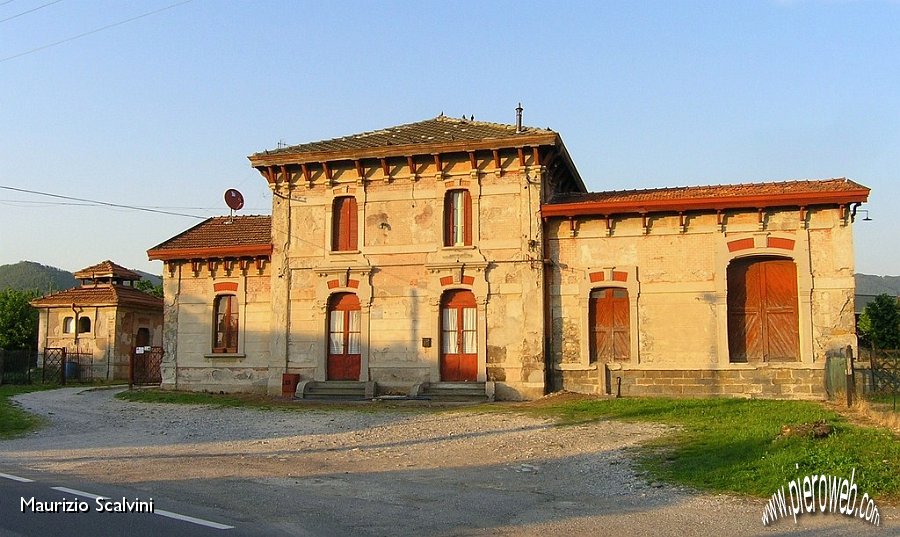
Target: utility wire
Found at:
29, 11
74, 204
107, 27
104, 203
7, 2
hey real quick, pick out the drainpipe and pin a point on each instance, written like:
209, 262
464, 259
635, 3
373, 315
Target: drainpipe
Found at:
76, 311
546, 263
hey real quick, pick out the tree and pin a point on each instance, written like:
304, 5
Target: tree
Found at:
18, 320
148, 287
880, 322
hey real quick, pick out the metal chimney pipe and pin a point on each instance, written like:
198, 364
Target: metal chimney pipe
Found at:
519, 119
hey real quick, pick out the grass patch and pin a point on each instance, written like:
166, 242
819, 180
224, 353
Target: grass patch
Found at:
13, 420
734, 445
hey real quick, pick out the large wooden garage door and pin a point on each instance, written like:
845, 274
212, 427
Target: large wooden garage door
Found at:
610, 326
762, 310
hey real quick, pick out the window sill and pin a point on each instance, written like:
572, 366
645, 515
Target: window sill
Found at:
460, 247
344, 252
236, 356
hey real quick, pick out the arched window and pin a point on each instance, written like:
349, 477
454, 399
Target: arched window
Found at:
84, 325
225, 323
345, 228
459, 349
457, 218
344, 357
763, 323
69, 325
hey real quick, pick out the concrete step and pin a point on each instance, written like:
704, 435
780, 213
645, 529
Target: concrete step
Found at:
337, 390
457, 392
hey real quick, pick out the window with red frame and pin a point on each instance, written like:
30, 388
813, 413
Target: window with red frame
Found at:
345, 228
458, 218
225, 338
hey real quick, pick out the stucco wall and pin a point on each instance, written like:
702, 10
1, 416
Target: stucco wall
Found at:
110, 340
189, 362
402, 268
677, 285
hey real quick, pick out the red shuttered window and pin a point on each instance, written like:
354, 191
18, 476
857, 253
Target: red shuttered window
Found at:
458, 218
345, 227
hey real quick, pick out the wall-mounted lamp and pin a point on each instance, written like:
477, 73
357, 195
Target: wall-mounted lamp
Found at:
855, 209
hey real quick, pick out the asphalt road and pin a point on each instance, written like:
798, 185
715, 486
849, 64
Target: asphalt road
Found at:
24, 502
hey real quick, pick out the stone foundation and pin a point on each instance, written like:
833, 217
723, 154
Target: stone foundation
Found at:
763, 382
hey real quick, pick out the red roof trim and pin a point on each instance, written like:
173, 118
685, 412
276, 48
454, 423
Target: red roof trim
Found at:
711, 203
212, 252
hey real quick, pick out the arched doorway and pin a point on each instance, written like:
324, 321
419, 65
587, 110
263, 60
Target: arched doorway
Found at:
459, 355
763, 320
142, 338
343, 337
610, 322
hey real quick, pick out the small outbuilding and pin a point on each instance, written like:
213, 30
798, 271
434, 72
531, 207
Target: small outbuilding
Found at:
101, 321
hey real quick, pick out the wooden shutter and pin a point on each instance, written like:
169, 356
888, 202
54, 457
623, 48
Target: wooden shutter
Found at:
336, 223
449, 212
352, 231
467, 218
345, 225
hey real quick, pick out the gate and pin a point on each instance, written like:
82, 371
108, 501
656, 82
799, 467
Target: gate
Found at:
54, 364
145, 366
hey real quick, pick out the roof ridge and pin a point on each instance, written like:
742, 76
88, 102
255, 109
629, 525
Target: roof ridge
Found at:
397, 131
725, 185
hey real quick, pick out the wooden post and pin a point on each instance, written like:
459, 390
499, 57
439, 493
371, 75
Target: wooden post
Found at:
850, 384
131, 369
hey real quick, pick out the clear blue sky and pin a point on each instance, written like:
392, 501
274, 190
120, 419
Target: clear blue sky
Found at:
163, 111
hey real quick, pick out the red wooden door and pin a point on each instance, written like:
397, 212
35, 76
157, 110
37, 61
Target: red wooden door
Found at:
610, 325
343, 337
459, 355
762, 310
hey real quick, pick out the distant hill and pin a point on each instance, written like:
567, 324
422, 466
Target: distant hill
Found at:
867, 284
30, 275
152, 278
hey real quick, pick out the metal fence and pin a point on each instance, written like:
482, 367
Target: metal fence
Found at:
17, 366
61, 365
885, 371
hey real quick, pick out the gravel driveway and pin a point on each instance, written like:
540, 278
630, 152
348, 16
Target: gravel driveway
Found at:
386, 472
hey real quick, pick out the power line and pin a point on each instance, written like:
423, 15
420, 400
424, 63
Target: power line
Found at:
104, 203
7, 2
29, 11
107, 27
18, 202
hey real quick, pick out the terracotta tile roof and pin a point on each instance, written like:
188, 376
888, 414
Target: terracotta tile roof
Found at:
772, 194
107, 269
441, 129
100, 295
219, 235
